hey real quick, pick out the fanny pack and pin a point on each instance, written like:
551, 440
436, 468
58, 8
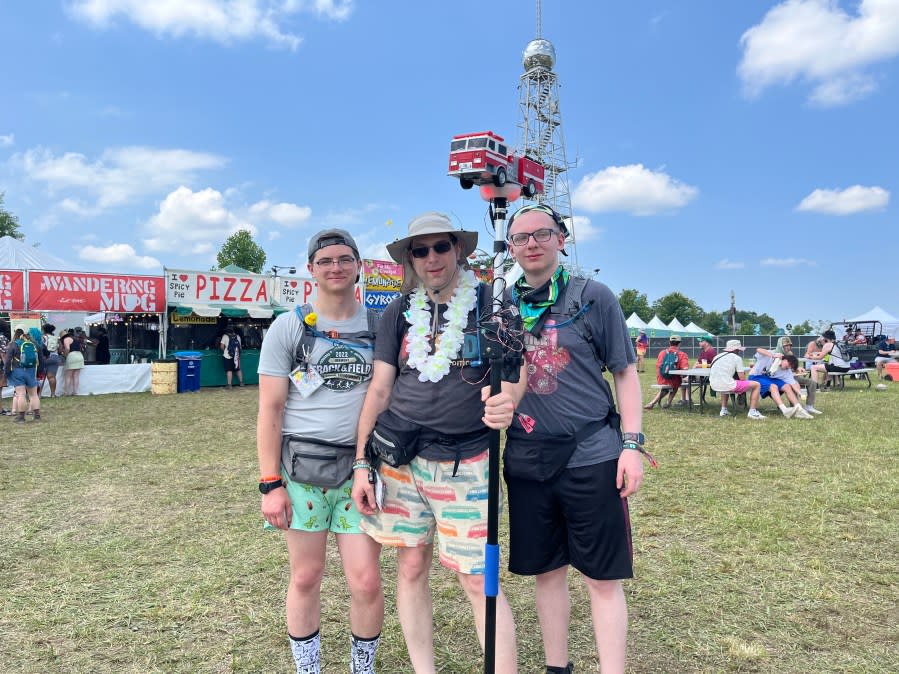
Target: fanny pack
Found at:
394, 440
317, 462
542, 457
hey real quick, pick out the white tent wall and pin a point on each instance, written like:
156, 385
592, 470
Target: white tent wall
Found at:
890, 323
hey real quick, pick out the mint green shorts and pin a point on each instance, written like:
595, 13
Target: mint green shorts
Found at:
322, 509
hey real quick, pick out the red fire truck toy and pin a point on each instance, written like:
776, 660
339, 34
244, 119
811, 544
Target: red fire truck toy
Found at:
484, 158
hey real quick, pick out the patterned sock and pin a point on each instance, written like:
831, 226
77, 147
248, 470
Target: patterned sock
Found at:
362, 654
307, 652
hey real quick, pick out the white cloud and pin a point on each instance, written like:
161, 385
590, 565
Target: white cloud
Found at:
786, 262
284, 213
726, 263
119, 255
191, 222
855, 199
349, 216
815, 41
120, 174
8, 140
583, 229
633, 189
222, 21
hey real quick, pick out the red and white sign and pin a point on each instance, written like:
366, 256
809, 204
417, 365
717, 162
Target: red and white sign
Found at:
291, 292
215, 287
12, 290
82, 291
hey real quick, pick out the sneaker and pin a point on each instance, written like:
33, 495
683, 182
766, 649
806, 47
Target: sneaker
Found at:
680, 403
755, 414
790, 412
802, 414
5, 413
20, 419
812, 410
724, 412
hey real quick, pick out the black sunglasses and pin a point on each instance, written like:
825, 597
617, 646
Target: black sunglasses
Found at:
441, 248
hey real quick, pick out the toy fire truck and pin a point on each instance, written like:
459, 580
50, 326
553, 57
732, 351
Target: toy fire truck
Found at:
485, 159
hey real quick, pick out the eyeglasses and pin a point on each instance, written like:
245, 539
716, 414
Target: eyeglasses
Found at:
342, 261
540, 236
441, 248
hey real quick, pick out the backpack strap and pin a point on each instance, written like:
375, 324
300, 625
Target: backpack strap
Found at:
575, 309
304, 347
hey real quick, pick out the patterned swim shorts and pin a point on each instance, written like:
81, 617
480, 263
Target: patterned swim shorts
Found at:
320, 509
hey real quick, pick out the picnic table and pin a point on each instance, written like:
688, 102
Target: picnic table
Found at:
697, 380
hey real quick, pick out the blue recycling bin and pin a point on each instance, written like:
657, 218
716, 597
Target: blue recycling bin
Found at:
188, 370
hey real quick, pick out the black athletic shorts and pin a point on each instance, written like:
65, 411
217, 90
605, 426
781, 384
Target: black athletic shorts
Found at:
229, 365
578, 519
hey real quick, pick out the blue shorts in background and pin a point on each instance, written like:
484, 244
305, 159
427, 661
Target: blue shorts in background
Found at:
23, 376
766, 383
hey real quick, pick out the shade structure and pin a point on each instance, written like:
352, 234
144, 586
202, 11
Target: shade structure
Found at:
634, 321
890, 323
676, 326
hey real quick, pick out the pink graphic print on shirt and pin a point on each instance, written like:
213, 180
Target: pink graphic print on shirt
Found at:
545, 359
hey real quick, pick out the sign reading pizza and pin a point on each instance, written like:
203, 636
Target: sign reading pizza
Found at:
82, 291
12, 290
215, 287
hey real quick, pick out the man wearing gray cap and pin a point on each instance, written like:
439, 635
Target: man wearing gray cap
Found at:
314, 369
428, 386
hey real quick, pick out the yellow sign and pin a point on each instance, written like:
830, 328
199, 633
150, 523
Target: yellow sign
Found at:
192, 319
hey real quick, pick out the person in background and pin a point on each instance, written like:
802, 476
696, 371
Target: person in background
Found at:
102, 356
50, 343
74, 360
773, 381
886, 353
707, 352
727, 376
642, 346
860, 339
832, 356
231, 346
4, 343
24, 359
681, 362
784, 347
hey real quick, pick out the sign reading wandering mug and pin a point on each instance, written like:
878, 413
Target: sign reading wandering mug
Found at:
12, 290
83, 291
215, 287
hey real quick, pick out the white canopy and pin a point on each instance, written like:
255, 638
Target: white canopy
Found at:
655, 323
693, 329
634, 321
15, 254
890, 322
676, 326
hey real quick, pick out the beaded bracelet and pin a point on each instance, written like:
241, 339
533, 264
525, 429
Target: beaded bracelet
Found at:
361, 464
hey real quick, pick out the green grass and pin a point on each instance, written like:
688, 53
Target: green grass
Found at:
130, 541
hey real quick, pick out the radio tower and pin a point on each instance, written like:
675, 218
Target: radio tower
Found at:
540, 134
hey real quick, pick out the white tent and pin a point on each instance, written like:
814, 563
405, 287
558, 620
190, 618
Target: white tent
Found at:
655, 323
676, 326
17, 255
890, 322
634, 321
693, 329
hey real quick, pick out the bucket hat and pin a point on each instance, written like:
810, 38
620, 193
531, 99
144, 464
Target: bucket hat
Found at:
432, 222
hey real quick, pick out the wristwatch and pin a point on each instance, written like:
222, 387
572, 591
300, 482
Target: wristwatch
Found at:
266, 487
639, 438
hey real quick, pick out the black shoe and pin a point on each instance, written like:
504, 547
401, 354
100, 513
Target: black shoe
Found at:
568, 669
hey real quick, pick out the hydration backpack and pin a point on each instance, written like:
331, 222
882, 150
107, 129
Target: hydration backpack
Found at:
669, 362
232, 345
27, 354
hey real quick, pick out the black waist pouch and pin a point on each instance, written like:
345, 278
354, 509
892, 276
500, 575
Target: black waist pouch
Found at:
315, 462
394, 440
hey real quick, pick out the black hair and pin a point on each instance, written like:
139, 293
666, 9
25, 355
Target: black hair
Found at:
792, 360
48, 328
829, 334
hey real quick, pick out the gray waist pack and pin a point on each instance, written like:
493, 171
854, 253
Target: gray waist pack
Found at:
317, 462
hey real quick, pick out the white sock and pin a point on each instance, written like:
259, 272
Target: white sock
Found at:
783, 408
307, 652
362, 654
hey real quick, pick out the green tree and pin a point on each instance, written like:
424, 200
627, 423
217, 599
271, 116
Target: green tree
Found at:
632, 300
804, 328
9, 223
715, 322
240, 249
768, 324
677, 305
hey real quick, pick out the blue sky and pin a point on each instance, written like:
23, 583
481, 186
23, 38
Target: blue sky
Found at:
721, 146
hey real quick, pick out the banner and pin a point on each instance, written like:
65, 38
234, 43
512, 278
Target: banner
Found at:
215, 287
12, 290
291, 292
84, 291
382, 283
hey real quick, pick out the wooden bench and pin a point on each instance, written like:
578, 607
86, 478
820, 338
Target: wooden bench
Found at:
838, 379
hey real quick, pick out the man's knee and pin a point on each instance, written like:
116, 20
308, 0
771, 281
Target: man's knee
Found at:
472, 584
603, 590
306, 577
413, 564
365, 583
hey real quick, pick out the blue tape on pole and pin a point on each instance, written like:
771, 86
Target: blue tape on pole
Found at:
491, 570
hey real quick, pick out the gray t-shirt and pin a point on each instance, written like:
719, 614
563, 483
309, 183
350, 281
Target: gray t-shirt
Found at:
449, 407
331, 413
566, 389
763, 362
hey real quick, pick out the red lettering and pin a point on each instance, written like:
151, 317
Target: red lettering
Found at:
214, 294
358, 294
201, 284
244, 295
228, 297
262, 292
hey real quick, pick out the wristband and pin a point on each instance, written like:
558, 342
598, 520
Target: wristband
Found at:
361, 464
639, 448
272, 478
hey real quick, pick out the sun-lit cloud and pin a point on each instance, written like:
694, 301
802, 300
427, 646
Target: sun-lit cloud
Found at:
726, 263
787, 262
583, 229
192, 222
819, 43
855, 199
223, 21
8, 140
119, 255
285, 214
632, 189
120, 175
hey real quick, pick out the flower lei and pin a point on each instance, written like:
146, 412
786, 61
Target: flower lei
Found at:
434, 367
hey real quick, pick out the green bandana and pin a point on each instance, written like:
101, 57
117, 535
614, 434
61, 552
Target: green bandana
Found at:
533, 302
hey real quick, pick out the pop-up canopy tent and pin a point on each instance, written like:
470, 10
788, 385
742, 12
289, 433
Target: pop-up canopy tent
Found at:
15, 254
890, 323
634, 321
676, 326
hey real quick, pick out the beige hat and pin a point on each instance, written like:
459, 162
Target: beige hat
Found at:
432, 223
733, 345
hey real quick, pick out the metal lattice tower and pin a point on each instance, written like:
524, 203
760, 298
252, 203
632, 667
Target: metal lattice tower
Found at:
540, 133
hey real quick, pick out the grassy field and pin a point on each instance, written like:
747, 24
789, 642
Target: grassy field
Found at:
130, 541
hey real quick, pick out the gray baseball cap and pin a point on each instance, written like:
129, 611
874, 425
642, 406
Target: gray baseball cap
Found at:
331, 237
